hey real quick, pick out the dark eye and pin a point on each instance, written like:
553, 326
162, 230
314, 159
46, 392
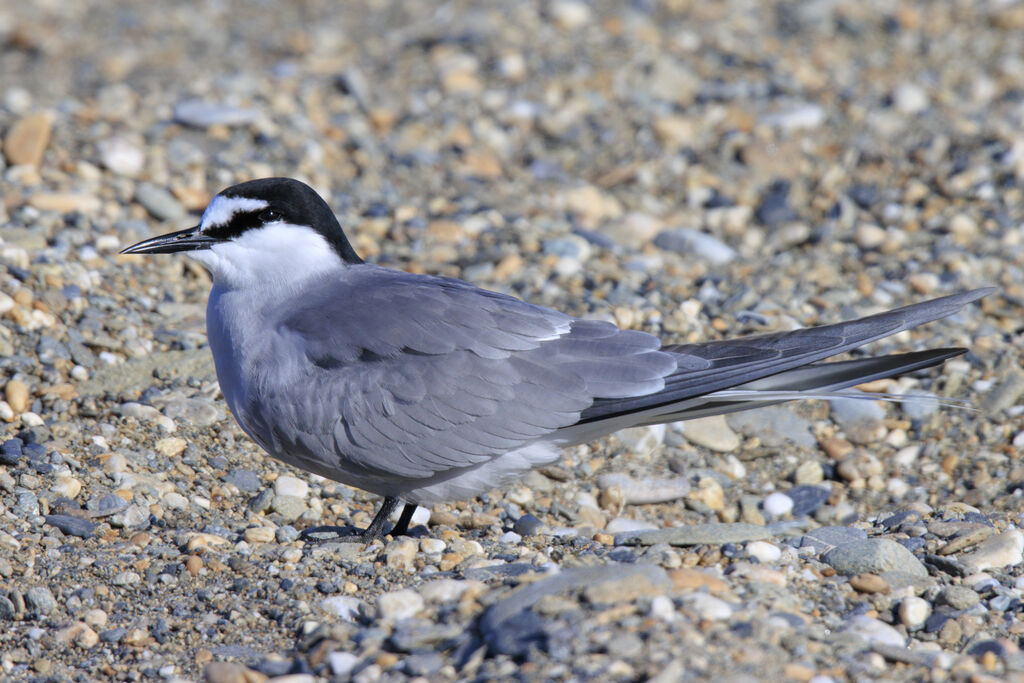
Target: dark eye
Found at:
269, 216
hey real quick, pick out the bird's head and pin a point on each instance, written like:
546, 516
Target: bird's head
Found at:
270, 229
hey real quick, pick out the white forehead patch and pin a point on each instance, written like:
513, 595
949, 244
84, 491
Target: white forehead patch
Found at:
221, 209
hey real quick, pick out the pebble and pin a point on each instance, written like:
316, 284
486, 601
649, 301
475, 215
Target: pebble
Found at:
344, 607
765, 553
693, 242
287, 485
121, 156
1005, 549
874, 632
78, 634
914, 611
777, 504
26, 141
712, 433
40, 601
71, 525
957, 597
707, 606
399, 604
807, 499
860, 419
874, 556
17, 395
160, 203
400, 553
203, 114
645, 491
528, 525
869, 583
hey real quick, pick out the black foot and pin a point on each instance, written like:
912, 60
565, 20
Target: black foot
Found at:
377, 528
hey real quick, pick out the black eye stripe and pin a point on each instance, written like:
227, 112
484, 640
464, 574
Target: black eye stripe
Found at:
239, 223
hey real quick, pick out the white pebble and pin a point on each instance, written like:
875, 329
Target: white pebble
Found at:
342, 663
914, 611
400, 604
287, 485
432, 546
662, 608
764, 552
708, 606
345, 607
777, 504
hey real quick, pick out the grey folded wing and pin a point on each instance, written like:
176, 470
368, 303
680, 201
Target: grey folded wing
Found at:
413, 375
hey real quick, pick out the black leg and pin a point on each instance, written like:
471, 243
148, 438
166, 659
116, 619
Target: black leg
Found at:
376, 528
402, 528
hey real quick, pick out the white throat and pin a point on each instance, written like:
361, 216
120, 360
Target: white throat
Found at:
276, 256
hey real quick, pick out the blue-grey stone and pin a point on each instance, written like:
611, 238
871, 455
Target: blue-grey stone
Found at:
874, 556
528, 525
807, 499
697, 243
10, 452
828, 537
72, 525
202, 114
40, 601
244, 480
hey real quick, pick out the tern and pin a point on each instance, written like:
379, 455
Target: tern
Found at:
425, 389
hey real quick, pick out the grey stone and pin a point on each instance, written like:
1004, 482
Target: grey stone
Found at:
160, 203
874, 556
71, 525
696, 534
774, 426
195, 411
40, 601
807, 499
700, 244
828, 537
202, 114
528, 525
245, 480
958, 597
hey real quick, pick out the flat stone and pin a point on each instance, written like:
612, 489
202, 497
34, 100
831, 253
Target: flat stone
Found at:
874, 631
1002, 550
696, 243
72, 526
860, 419
873, 556
65, 202
27, 139
202, 114
710, 432
287, 485
344, 607
645, 491
696, 534
400, 604
775, 426
645, 581
827, 537
160, 203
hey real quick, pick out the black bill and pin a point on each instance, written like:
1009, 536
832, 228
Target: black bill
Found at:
189, 239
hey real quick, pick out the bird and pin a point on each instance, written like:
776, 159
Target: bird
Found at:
425, 389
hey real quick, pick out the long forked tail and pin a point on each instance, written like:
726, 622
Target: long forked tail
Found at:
737, 374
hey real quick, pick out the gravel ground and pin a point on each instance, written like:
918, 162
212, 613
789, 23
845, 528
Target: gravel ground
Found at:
693, 169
